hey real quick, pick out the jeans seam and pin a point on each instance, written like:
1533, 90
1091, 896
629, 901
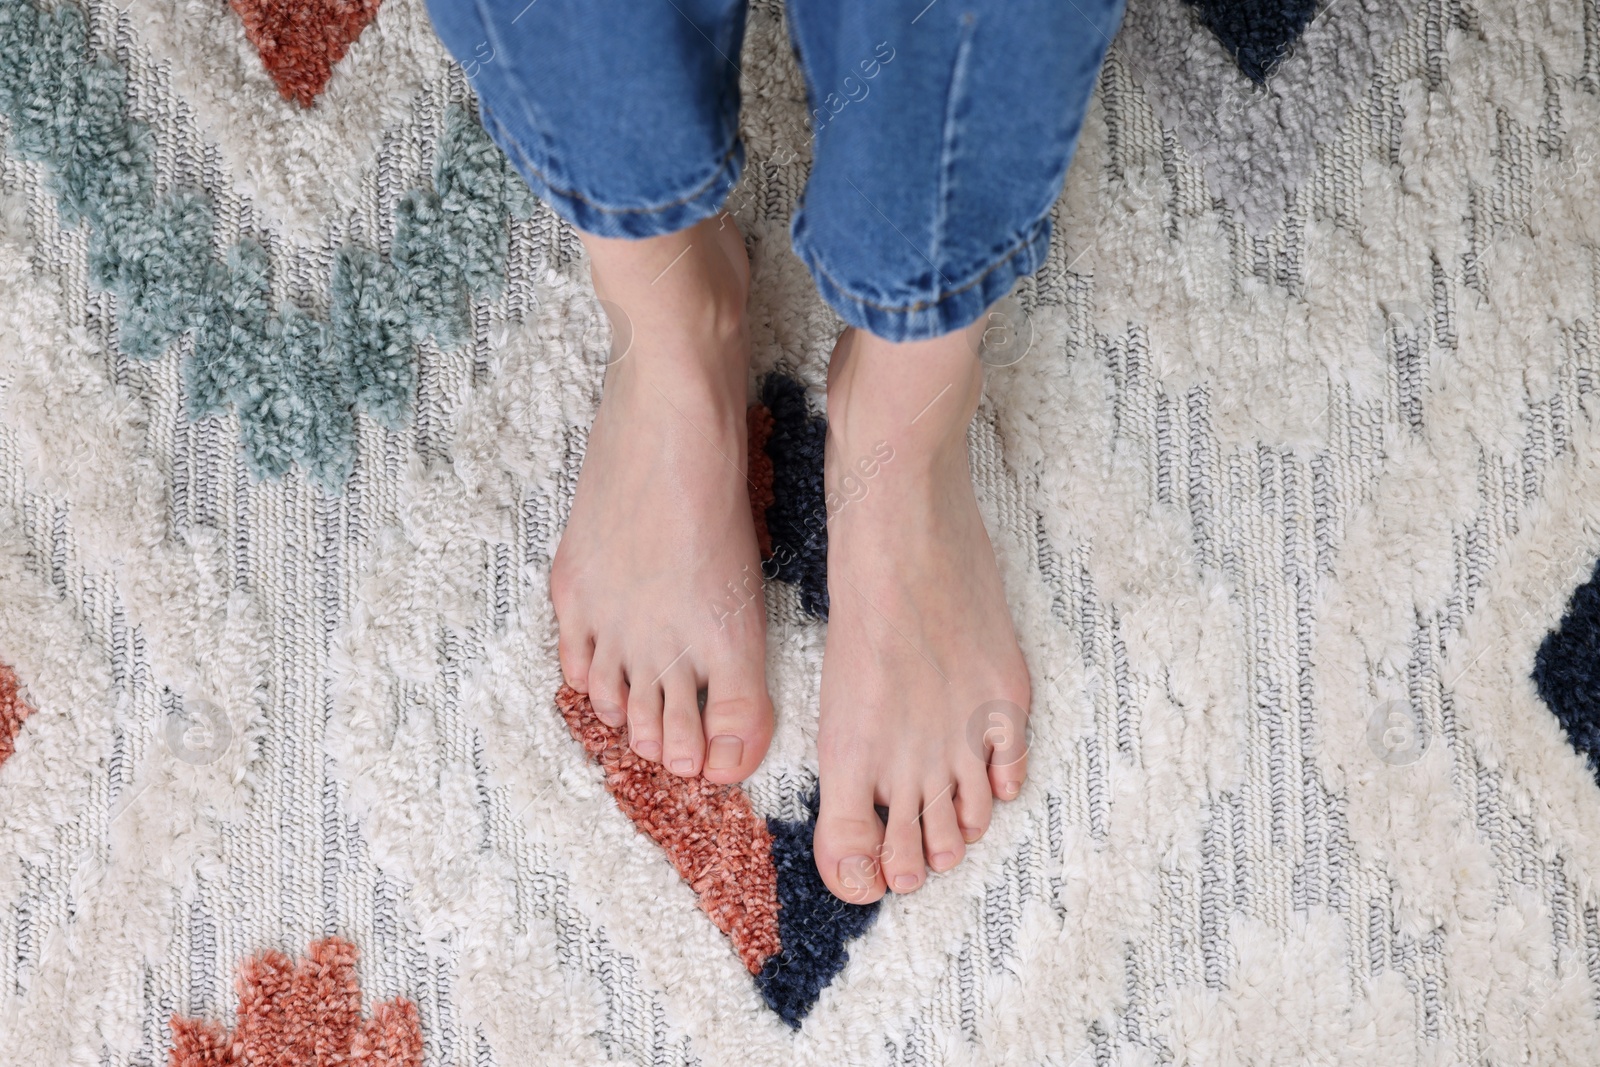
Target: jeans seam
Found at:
947, 137
654, 209
1004, 258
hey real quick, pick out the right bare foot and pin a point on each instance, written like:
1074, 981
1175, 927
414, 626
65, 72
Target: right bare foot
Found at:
657, 580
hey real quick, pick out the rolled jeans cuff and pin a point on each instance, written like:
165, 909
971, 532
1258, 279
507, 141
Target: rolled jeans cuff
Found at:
676, 212
958, 302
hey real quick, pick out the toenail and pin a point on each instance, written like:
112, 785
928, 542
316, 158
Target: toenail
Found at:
970, 835
725, 753
858, 874
648, 749
905, 883
609, 714
943, 861
683, 766
1009, 789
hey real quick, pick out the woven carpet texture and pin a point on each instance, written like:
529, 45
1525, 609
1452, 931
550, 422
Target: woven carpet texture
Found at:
1293, 468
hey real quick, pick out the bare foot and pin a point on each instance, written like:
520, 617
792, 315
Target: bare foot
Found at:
657, 581
924, 690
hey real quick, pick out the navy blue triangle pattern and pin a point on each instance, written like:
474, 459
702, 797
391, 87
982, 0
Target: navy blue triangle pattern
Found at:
1567, 671
814, 926
797, 518
1257, 33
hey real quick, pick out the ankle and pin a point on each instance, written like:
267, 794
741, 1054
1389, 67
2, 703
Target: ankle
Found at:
711, 395
918, 397
680, 299
694, 281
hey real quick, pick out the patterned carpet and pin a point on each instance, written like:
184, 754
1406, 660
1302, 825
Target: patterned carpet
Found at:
1292, 458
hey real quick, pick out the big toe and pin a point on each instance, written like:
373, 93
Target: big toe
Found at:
738, 725
848, 842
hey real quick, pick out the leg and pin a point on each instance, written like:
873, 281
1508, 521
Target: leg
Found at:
622, 117
944, 135
624, 120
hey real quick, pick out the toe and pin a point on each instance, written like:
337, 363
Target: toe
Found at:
941, 830
903, 869
1007, 770
644, 721
682, 747
849, 839
1005, 779
576, 653
738, 723
974, 803
608, 688
1007, 747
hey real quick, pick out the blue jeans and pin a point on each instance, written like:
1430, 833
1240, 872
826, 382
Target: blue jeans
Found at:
943, 130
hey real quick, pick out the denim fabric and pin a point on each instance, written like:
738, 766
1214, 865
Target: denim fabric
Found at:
942, 130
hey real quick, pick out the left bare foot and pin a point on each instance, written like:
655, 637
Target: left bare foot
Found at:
924, 689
